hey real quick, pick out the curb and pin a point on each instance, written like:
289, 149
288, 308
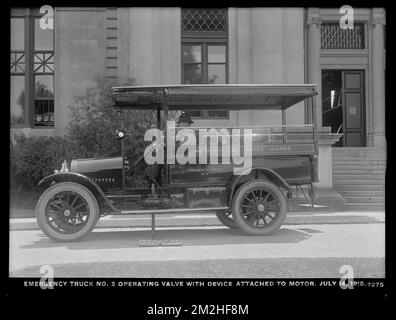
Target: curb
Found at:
293, 218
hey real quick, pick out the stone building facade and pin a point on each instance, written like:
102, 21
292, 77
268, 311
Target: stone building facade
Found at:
50, 67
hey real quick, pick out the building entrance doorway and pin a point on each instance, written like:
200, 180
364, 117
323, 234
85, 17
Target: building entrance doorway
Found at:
343, 106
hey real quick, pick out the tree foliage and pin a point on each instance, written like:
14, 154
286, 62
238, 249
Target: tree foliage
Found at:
33, 158
91, 132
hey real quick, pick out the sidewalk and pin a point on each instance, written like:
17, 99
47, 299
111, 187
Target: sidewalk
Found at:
309, 216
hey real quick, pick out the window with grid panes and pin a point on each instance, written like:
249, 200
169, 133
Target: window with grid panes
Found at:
31, 70
204, 51
17, 72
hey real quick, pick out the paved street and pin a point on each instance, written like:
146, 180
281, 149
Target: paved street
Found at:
296, 250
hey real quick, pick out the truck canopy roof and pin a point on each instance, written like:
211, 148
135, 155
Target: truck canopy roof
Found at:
213, 97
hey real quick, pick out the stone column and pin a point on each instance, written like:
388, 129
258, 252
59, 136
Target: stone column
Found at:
80, 55
313, 59
377, 138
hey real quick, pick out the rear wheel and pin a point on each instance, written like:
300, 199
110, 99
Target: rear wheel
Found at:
67, 211
225, 218
259, 207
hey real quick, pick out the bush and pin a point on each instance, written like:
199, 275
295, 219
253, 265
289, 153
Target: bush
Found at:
91, 132
33, 158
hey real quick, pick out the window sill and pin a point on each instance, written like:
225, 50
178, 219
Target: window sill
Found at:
341, 52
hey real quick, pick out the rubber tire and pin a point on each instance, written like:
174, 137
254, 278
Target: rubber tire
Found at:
60, 187
238, 197
225, 220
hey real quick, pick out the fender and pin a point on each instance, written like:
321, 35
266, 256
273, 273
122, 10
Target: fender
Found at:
79, 178
270, 174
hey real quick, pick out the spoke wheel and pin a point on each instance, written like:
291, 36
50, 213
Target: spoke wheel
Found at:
259, 207
226, 219
67, 211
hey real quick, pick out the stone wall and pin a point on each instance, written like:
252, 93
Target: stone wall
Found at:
80, 54
266, 45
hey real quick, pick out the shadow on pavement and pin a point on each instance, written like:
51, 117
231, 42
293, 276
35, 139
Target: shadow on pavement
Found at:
189, 237
310, 230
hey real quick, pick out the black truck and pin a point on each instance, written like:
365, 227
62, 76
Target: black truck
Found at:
245, 174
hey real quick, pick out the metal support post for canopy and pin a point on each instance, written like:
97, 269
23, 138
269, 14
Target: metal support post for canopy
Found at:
315, 124
284, 125
158, 117
153, 194
165, 106
123, 153
311, 193
308, 111
152, 225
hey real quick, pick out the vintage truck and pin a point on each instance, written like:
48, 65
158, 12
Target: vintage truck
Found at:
247, 179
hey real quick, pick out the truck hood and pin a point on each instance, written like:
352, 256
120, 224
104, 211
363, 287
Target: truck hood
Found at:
96, 164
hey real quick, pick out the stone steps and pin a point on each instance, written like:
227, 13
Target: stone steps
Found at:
359, 176
378, 156
373, 156
358, 151
367, 199
358, 182
342, 171
361, 162
361, 192
365, 206
339, 169
355, 187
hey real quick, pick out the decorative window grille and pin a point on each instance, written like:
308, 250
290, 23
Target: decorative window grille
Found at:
204, 20
44, 62
17, 63
334, 37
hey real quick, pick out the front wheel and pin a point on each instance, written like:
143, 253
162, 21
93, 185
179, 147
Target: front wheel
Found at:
67, 211
259, 207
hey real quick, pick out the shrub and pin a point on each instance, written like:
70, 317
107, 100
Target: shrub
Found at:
33, 158
91, 132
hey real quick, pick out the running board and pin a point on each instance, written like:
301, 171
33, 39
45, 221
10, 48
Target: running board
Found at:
179, 210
